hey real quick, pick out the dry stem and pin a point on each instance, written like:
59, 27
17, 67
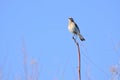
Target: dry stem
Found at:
79, 59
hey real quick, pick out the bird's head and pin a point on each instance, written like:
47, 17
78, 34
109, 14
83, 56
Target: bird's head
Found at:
70, 19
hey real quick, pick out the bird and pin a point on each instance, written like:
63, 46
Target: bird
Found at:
73, 28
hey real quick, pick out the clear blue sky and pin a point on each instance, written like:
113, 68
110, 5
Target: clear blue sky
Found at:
43, 26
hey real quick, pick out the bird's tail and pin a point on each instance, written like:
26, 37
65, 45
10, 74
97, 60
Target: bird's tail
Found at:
81, 37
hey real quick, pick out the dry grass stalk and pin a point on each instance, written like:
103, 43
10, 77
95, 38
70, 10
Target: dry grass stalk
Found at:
79, 59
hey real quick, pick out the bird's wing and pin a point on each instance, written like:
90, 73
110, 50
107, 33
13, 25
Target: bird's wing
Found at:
77, 27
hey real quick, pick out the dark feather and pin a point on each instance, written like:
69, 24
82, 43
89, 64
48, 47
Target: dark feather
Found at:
77, 27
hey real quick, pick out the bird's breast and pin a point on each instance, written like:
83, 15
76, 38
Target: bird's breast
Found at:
71, 27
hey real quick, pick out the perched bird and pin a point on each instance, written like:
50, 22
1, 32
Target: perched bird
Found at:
73, 28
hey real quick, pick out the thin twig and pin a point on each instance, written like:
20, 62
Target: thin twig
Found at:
79, 59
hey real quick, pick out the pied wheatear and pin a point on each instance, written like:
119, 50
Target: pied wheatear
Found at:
73, 28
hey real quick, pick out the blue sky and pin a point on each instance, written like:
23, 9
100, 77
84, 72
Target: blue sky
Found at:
42, 25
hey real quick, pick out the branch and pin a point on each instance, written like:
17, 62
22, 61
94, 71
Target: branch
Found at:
79, 59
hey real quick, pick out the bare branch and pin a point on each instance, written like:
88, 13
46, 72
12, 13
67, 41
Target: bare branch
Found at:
79, 59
